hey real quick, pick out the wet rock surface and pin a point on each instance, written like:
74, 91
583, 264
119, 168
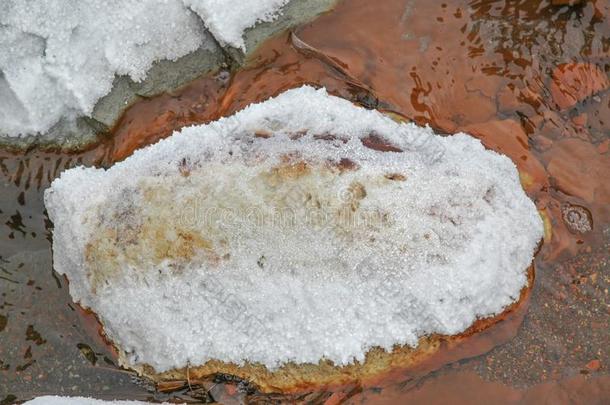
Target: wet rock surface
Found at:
573, 82
577, 167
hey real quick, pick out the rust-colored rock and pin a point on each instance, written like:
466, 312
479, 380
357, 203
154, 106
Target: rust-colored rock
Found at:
580, 120
600, 9
527, 100
507, 100
573, 82
604, 146
541, 143
483, 84
555, 127
577, 168
593, 365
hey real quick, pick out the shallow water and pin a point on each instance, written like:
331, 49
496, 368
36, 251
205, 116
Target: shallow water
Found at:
491, 68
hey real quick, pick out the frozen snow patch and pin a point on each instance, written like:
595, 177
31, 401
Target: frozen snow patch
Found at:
283, 233
57, 59
227, 20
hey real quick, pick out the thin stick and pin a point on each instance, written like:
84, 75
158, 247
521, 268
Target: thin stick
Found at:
188, 377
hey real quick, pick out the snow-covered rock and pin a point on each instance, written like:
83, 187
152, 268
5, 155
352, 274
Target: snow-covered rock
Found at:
227, 21
57, 59
285, 233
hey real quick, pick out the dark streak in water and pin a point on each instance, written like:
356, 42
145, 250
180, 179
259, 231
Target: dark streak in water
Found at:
8, 279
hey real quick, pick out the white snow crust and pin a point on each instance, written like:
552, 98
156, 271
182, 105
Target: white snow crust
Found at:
227, 20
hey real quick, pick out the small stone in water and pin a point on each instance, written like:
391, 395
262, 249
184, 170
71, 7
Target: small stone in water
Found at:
578, 219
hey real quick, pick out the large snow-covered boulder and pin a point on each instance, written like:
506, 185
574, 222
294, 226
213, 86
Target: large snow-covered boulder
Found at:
300, 229
68, 70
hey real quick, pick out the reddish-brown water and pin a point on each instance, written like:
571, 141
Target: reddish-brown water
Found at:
528, 78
